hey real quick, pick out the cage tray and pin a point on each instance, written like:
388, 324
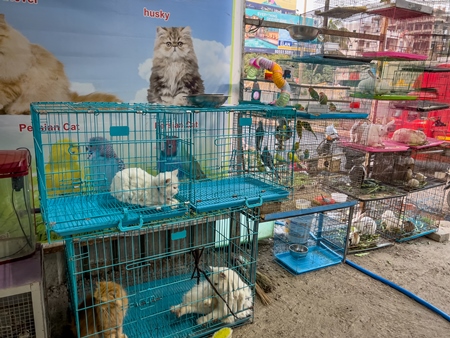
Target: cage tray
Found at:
74, 215
421, 229
318, 257
394, 56
331, 60
232, 192
384, 97
421, 106
337, 115
389, 147
149, 311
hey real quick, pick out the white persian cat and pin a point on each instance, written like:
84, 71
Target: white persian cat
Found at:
203, 299
136, 186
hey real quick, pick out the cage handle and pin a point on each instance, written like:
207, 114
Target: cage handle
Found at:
130, 228
258, 204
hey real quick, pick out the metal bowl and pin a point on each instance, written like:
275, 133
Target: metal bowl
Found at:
298, 250
303, 33
207, 100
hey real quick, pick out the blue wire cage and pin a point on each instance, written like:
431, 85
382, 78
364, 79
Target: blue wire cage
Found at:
156, 267
82, 149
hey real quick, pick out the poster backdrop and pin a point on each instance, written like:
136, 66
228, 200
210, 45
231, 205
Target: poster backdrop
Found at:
102, 50
280, 6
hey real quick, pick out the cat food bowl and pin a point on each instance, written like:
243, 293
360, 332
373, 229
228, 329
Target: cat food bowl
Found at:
303, 33
225, 332
338, 197
207, 100
298, 250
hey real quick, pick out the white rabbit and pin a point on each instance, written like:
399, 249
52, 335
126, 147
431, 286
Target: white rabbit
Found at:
409, 136
354, 237
390, 221
364, 224
357, 130
373, 134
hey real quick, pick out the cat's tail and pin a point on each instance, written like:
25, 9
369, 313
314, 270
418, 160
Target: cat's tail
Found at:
94, 97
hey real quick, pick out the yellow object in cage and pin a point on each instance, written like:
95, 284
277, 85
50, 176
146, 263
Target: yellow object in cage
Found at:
226, 332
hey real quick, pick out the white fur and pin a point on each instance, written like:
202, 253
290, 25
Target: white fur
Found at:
364, 224
390, 220
136, 186
409, 136
356, 131
202, 298
373, 134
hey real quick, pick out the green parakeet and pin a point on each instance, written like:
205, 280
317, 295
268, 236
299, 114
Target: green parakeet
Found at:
323, 99
259, 136
313, 93
307, 127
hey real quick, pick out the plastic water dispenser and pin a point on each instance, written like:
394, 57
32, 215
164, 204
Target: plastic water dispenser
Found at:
17, 226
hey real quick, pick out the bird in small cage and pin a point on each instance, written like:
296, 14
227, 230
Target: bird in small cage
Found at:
259, 136
323, 98
283, 132
313, 93
296, 146
62, 172
103, 161
304, 125
267, 159
332, 107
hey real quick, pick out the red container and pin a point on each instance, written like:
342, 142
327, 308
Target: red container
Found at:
355, 104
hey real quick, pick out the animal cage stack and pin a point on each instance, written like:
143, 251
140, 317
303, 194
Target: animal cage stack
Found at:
185, 278
151, 200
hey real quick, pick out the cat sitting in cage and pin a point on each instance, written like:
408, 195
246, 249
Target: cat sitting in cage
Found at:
102, 313
136, 186
202, 298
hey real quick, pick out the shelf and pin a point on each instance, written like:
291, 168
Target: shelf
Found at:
420, 69
389, 147
342, 12
330, 60
384, 97
401, 9
394, 56
293, 84
420, 106
337, 115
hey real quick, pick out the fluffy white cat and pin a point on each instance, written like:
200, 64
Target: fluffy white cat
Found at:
203, 299
136, 186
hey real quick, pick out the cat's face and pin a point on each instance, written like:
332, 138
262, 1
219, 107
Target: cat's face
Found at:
170, 183
173, 42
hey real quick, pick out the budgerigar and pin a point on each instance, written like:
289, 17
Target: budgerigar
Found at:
313, 93
323, 98
103, 163
267, 160
283, 132
259, 136
62, 171
189, 160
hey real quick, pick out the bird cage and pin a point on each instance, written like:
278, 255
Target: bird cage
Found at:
314, 241
97, 167
159, 278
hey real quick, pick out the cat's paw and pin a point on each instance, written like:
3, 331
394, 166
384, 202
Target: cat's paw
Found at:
176, 310
229, 319
202, 320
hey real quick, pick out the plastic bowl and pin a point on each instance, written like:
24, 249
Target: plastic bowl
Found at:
302, 204
338, 197
207, 100
298, 250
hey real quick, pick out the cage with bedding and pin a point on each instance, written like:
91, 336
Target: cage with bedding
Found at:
154, 274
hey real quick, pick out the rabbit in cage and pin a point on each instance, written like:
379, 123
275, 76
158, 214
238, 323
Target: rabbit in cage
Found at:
390, 221
364, 224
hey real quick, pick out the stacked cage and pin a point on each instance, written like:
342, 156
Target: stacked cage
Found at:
158, 207
186, 278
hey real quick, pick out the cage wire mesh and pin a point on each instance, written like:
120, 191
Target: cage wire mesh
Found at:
116, 164
16, 316
313, 241
375, 220
158, 270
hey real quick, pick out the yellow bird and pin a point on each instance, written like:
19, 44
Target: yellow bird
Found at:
293, 157
62, 172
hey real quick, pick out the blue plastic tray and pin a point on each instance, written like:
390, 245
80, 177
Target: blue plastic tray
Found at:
79, 214
149, 313
232, 192
318, 257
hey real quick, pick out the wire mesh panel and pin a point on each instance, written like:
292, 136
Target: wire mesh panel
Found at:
16, 316
158, 278
313, 241
97, 167
376, 220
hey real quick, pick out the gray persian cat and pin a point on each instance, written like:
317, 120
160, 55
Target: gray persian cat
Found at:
175, 67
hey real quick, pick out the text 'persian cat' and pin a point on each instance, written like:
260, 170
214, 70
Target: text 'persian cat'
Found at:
175, 72
30, 73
